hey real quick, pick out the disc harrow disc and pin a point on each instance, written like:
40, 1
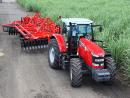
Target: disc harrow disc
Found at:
33, 44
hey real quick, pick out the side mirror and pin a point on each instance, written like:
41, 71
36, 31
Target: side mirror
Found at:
100, 28
59, 18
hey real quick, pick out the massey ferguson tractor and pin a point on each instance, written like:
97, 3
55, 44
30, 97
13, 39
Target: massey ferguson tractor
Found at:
76, 49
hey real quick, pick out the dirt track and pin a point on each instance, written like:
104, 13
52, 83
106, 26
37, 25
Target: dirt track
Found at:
28, 75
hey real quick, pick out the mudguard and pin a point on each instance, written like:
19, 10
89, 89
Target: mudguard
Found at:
61, 42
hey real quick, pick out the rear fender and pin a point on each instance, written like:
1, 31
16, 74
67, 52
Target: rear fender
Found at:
61, 42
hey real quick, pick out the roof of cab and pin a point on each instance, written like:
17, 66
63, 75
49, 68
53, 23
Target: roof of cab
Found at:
76, 20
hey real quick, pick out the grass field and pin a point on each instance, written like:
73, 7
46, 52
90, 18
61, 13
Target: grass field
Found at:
112, 14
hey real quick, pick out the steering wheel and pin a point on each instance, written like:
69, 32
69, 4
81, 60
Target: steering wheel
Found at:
88, 36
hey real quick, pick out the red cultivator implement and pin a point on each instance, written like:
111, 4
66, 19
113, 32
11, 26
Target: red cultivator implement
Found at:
34, 32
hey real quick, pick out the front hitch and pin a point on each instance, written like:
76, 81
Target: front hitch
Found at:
100, 75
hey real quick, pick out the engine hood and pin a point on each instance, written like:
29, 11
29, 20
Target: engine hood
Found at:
92, 47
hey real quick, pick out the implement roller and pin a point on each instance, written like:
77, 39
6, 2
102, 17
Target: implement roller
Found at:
34, 32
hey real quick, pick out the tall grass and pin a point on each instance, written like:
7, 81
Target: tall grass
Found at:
112, 14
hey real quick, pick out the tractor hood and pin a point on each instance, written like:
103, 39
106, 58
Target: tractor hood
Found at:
92, 47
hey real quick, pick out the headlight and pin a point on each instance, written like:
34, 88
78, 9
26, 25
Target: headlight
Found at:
94, 64
99, 60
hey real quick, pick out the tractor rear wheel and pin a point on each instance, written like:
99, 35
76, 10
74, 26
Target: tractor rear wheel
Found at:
111, 66
76, 72
53, 54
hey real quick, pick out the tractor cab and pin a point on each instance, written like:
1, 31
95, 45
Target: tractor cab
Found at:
77, 27
73, 29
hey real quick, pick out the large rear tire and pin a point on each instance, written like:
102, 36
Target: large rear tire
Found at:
111, 66
76, 72
53, 54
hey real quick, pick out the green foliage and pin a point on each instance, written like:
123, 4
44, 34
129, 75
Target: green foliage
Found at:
112, 14
30, 5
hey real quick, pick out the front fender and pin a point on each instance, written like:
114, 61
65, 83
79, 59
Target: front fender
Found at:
61, 42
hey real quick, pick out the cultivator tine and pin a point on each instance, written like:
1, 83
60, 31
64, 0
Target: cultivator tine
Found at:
35, 44
31, 45
25, 44
43, 43
22, 43
12, 31
28, 44
9, 31
40, 44
15, 32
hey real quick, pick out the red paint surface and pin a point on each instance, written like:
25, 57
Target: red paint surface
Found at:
35, 27
86, 49
61, 42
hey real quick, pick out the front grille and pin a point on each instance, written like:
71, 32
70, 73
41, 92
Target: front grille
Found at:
98, 60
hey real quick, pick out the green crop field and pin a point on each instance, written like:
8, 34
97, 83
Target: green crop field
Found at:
112, 14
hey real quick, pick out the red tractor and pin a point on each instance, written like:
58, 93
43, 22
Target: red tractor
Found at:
77, 50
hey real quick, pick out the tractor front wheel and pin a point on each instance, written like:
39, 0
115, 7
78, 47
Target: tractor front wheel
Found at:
53, 54
76, 72
111, 66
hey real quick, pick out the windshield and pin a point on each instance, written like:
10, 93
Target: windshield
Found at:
82, 29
